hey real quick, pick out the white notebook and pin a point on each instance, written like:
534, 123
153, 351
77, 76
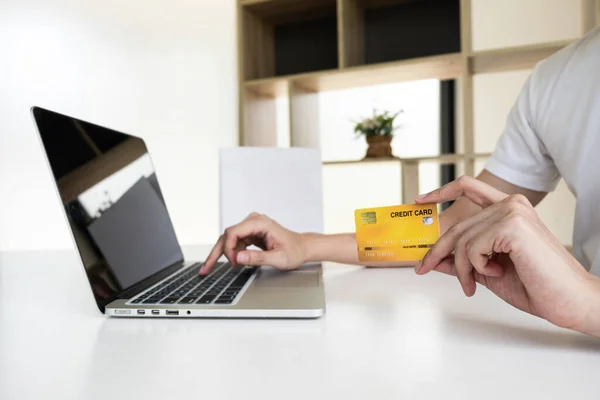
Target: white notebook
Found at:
283, 183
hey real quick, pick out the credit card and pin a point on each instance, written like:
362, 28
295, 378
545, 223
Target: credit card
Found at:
396, 233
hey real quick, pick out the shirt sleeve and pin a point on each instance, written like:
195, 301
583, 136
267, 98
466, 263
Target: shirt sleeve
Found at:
520, 156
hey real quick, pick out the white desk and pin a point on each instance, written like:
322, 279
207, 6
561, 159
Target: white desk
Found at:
387, 334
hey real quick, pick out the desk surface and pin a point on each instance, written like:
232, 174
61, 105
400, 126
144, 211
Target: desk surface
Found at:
387, 334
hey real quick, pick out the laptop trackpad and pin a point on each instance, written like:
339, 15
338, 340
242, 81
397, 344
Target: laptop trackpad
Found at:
272, 277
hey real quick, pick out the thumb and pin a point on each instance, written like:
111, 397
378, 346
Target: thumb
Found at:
273, 258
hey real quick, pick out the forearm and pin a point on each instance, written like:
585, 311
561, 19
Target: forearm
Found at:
340, 248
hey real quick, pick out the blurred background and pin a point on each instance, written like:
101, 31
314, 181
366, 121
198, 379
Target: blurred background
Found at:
193, 76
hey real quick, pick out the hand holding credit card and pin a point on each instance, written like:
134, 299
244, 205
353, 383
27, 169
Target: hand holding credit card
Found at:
396, 233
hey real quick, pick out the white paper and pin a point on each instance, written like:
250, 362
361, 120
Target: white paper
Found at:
282, 183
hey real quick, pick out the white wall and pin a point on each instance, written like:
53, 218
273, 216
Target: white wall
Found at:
164, 70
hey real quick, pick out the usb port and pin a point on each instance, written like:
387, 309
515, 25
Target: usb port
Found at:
171, 312
141, 312
155, 312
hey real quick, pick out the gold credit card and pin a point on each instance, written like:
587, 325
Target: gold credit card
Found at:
396, 233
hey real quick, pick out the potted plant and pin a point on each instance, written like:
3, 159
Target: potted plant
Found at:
378, 131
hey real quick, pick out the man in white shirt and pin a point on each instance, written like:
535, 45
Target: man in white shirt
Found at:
491, 234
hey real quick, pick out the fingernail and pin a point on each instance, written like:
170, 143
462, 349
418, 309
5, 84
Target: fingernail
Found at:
420, 197
243, 258
418, 266
202, 270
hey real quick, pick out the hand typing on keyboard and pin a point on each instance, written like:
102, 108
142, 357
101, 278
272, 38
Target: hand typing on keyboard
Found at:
281, 248
221, 286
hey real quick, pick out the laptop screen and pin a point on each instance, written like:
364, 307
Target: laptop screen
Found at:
112, 200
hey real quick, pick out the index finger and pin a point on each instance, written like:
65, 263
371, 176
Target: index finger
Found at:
211, 260
473, 189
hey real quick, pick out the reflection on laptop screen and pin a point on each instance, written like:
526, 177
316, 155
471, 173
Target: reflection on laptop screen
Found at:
113, 202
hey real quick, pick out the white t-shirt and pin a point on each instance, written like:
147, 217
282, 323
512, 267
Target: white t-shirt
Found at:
553, 131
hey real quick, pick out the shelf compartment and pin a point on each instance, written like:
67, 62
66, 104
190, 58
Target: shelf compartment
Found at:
402, 30
376, 31
282, 37
306, 46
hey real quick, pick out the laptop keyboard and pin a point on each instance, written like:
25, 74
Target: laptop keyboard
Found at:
220, 286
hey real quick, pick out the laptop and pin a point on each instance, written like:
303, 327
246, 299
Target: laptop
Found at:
121, 227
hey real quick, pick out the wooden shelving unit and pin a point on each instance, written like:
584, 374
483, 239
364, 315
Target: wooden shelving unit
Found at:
296, 48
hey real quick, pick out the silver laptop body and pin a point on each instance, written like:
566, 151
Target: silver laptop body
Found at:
121, 227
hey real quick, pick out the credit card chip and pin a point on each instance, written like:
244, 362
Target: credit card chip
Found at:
368, 218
